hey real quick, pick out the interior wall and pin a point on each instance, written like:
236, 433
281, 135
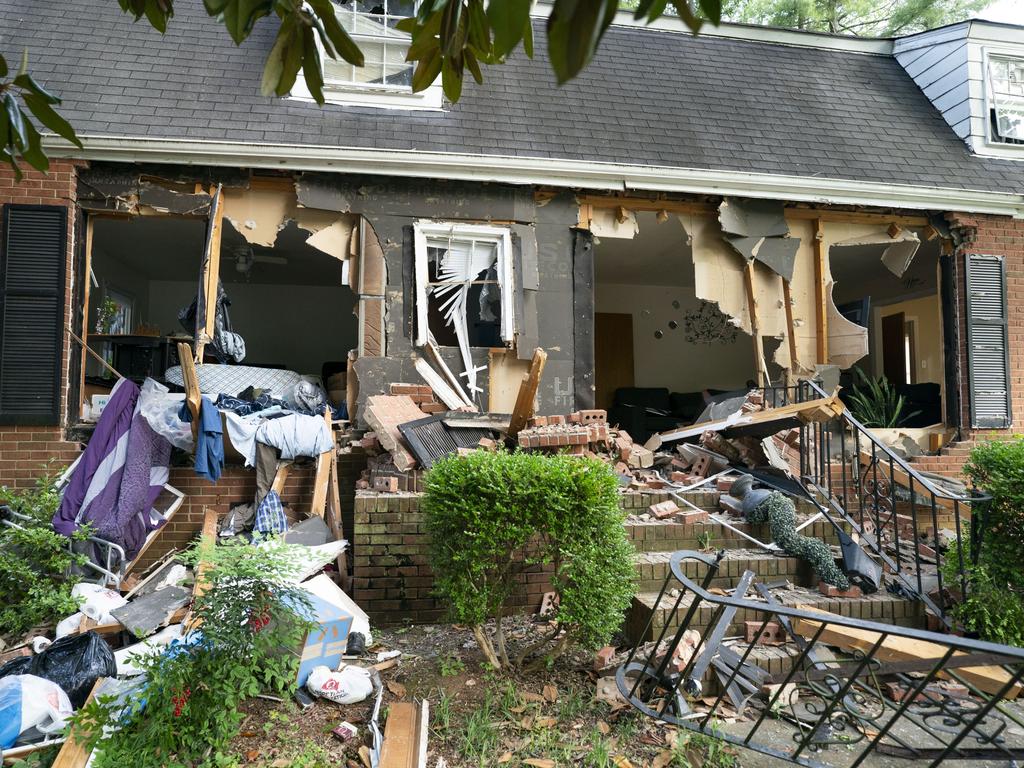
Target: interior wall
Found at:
671, 361
300, 326
926, 314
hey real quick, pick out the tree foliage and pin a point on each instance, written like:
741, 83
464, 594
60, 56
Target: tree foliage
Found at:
852, 17
491, 515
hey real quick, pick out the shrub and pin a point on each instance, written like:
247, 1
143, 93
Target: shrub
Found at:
492, 514
188, 711
35, 565
991, 609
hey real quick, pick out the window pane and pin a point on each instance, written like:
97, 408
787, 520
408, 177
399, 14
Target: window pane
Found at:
1006, 93
372, 23
482, 312
397, 70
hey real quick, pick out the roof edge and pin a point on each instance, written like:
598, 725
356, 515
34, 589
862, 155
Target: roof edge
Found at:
574, 174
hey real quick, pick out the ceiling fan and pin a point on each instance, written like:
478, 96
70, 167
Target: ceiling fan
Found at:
245, 257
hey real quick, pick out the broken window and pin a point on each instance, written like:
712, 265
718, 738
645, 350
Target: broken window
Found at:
1006, 99
372, 26
463, 285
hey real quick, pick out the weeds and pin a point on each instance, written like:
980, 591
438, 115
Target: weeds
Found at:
451, 665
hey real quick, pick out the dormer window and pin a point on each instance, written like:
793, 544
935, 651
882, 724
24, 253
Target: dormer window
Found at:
385, 79
1006, 99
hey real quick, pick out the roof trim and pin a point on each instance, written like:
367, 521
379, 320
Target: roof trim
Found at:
578, 174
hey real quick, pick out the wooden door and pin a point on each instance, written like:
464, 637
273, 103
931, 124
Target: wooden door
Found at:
613, 355
894, 354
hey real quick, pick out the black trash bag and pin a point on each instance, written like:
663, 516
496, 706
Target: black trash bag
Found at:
73, 662
860, 569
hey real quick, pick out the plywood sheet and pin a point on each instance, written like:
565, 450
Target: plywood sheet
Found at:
505, 374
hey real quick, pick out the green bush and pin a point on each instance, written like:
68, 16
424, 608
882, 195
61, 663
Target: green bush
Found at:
994, 604
188, 711
492, 514
35, 564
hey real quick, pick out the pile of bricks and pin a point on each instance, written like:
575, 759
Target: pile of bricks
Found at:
580, 433
422, 395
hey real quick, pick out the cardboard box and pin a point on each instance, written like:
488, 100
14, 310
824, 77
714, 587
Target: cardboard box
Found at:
325, 644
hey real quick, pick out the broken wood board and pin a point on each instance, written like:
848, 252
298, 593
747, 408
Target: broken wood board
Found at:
193, 397
74, 753
525, 399
323, 472
774, 419
147, 613
384, 413
989, 679
505, 372
333, 520
444, 391
210, 275
207, 539
281, 477
405, 736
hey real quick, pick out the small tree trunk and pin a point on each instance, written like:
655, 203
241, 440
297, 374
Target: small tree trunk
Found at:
485, 645
499, 637
541, 660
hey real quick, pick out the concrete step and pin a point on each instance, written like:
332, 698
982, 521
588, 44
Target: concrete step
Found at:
653, 568
881, 607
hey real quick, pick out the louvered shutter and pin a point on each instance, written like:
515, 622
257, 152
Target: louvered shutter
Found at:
987, 341
32, 264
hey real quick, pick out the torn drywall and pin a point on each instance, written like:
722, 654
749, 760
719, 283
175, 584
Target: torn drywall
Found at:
258, 215
614, 222
898, 246
757, 230
335, 240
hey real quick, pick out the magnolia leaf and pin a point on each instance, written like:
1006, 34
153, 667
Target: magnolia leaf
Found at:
48, 117
509, 20
426, 71
273, 69
240, 16
28, 83
33, 153
19, 138
575, 28
451, 78
335, 34
473, 65
311, 64
3, 66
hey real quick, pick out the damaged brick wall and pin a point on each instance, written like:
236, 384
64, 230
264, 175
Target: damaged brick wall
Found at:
392, 206
27, 452
1004, 236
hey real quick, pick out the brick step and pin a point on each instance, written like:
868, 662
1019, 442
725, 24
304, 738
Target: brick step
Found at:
669, 536
881, 607
638, 503
653, 568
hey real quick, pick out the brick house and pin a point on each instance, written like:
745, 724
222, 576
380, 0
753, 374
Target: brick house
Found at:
690, 214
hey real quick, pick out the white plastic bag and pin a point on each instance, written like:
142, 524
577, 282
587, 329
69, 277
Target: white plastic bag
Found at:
26, 702
349, 685
97, 602
69, 625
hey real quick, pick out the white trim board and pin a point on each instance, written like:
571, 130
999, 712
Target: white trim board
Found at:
579, 174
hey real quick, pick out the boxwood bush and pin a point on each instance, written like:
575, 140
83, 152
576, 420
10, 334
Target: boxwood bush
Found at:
490, 515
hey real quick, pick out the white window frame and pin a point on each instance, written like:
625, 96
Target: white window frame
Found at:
501, 237
991, 140
369, 95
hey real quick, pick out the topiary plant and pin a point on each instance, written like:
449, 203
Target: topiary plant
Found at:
491, 515
780, 513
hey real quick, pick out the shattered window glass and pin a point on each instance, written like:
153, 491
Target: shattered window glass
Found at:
1006, 99
463, 290
372, 26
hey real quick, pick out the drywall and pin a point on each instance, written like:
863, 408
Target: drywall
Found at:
671, 361
300, 326
926, 315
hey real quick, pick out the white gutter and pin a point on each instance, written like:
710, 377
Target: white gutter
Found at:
578, 174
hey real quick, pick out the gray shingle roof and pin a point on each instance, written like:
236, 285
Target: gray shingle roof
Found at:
649, 98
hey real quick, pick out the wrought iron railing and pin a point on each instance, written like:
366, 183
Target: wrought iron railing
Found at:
885, 689
907, 520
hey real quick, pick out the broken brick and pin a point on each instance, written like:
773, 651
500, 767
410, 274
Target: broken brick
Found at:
772, 632
603, 658
385, 484
663, 509
830, 590
724, 484
692, 516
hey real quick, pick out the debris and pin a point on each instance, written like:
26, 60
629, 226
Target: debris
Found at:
74, 663
405, 736
525, 400
345, 732
30, 702
663, 509
323, 645
396, 688
147, 613
349, 685
384, 413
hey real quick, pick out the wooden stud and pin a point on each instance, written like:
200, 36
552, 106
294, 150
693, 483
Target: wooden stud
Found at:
92, 353
280, 477
787, 300
894, 230
211, 277
855, 217
401, 734
760, 366
74, 753
323, 473
333, 519
193, 396
208, 538
87, 277
820, 293
523, 410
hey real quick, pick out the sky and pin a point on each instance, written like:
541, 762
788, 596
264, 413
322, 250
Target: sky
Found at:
1011, 11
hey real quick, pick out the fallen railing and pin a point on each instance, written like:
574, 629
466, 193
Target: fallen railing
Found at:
897, 691
897, 512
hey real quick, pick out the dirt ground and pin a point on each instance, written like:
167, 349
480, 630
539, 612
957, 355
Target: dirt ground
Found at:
543, 719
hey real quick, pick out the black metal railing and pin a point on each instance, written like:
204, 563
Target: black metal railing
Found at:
878, 688
905, 519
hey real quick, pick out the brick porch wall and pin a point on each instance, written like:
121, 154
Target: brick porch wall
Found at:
27, 452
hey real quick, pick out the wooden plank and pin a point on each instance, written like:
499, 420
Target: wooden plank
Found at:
74, 753
193, 397
208, 537
639, 204
281, 476
989, 679
323, 473
523, 410
787, 300
333, 520
760, 367
87, 278
820, 293
92, 352
401, 736
813, 410
211, 276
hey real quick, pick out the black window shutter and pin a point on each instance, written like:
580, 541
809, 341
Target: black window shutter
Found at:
32, 268
988, 356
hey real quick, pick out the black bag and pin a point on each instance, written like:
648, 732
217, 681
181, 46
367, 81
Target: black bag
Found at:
860, 569
73, 662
